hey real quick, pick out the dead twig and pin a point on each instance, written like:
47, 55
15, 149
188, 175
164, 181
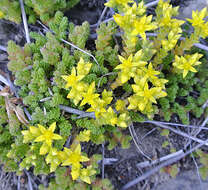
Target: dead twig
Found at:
103, 164
1, 87
136, 143
175, 124
24, 18
76, 111
101, 17
148, 134
3, 48
30, 187
68, 141
4, 80
18, 183
181, 133
205, 105
83, 51
198, 130
164, 158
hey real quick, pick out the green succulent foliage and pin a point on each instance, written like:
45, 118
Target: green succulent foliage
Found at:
59, 24
43, 9
184, 95
107, 50
204, 161
11, 10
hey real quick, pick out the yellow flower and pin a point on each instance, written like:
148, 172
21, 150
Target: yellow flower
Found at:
72, 79
83, 68
30, 134
147, 95
198, 18
76, 93
54, 158
129, 66
86, 173
107, 97
98, 107
110, 116
84, 136
74, 157
89, 96
123, 119
120, 105
150, 73
171, 42
75, 172
186, 63
113, 3
124, 21
142, 25
47, 136
159, 82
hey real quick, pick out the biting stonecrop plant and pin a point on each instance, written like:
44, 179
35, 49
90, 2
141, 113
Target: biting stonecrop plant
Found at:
152, 73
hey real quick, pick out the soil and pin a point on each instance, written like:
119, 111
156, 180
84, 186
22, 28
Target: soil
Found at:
125, 169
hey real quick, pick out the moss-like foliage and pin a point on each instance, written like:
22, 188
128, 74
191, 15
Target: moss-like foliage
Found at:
43, 9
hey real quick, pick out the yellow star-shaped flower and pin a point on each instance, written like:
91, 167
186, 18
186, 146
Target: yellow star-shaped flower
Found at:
83, 68
74, 157
142, 25
186, 63
86, 173
198, 18
89, 96
72, 79
47, 136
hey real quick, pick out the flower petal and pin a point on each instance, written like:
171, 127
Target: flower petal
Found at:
42, 129
78, 149
44, 149
52, 127
84, 159
56, 137
40, 138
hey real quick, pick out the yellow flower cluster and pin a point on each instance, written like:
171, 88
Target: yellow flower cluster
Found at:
85, 93
187, 62
198, 22
143, 97
133, 21
68, 157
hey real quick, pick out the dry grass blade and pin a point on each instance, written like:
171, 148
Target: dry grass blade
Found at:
9, 107
20, 115
5, 92
12, 108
